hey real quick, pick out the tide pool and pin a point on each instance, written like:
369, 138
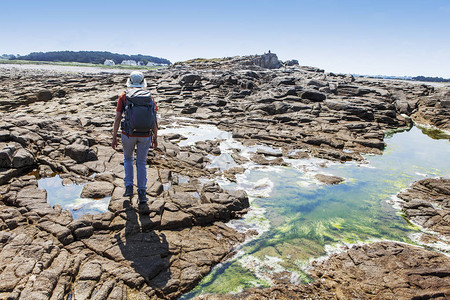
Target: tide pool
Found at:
68, 197
301, 219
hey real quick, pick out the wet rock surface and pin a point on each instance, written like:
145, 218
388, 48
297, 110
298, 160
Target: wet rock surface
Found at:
427, 203
382, 270
61, 123
327, 179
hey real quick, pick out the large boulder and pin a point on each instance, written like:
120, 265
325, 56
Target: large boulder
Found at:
80, 153
267, 60
189, 78
313, 96
44, 95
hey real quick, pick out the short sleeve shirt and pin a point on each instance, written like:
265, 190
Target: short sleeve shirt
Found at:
123, 101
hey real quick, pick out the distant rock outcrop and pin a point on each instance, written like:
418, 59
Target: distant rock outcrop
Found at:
291, 62
268, 61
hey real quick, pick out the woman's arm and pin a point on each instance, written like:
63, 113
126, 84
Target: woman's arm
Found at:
116, 128
155, 135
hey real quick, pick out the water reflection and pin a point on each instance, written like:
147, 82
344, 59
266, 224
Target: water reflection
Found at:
68, 196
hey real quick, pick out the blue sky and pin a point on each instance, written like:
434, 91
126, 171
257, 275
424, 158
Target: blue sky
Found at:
344, 36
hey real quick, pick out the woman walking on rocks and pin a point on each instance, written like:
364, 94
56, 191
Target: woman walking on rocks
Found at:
139, 131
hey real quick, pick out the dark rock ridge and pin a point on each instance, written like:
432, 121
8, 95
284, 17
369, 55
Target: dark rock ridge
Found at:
382, 270
60, 123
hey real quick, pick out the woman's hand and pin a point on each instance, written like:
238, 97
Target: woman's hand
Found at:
154, 142
114, 142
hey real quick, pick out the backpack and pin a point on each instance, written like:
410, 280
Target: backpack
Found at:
140, 113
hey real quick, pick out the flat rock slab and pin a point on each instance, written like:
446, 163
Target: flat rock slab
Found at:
327, 179
97, 189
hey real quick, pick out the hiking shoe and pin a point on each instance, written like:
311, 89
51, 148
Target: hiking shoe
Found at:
128, 191
142, 196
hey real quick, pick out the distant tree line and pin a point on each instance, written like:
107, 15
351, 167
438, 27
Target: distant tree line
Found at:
92, 57
432, 79
7, 56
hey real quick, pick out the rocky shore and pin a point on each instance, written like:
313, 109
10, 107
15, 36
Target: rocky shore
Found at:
427, 204
381, 270
60, 123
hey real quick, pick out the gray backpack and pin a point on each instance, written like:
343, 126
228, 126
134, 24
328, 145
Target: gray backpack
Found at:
140, 113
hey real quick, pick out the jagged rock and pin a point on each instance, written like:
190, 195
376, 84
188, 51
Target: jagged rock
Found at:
189, 78
366, 272
44, 95
427, 203
22, 158
6, 156
189, 110
291, 62
313, 96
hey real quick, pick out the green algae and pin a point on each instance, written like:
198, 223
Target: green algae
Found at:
230, 277
308, 219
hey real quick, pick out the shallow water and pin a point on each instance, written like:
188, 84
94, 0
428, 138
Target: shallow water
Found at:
68, 196
300, 219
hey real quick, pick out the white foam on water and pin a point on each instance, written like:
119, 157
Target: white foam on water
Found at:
422, 174
395, 202
442, 246
261, 188
254, 219
229, 144
193, 134
223, 161
268, 267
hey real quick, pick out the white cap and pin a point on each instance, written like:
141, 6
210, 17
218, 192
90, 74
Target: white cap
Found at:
136, 80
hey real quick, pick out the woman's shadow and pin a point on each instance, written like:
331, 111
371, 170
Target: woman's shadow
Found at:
147, 251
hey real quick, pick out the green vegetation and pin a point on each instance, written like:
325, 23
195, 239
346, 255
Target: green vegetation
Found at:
92, 57
435, 133
430, 79
76, 64
197, 60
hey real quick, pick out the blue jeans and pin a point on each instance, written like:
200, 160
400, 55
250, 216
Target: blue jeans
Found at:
142, 145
